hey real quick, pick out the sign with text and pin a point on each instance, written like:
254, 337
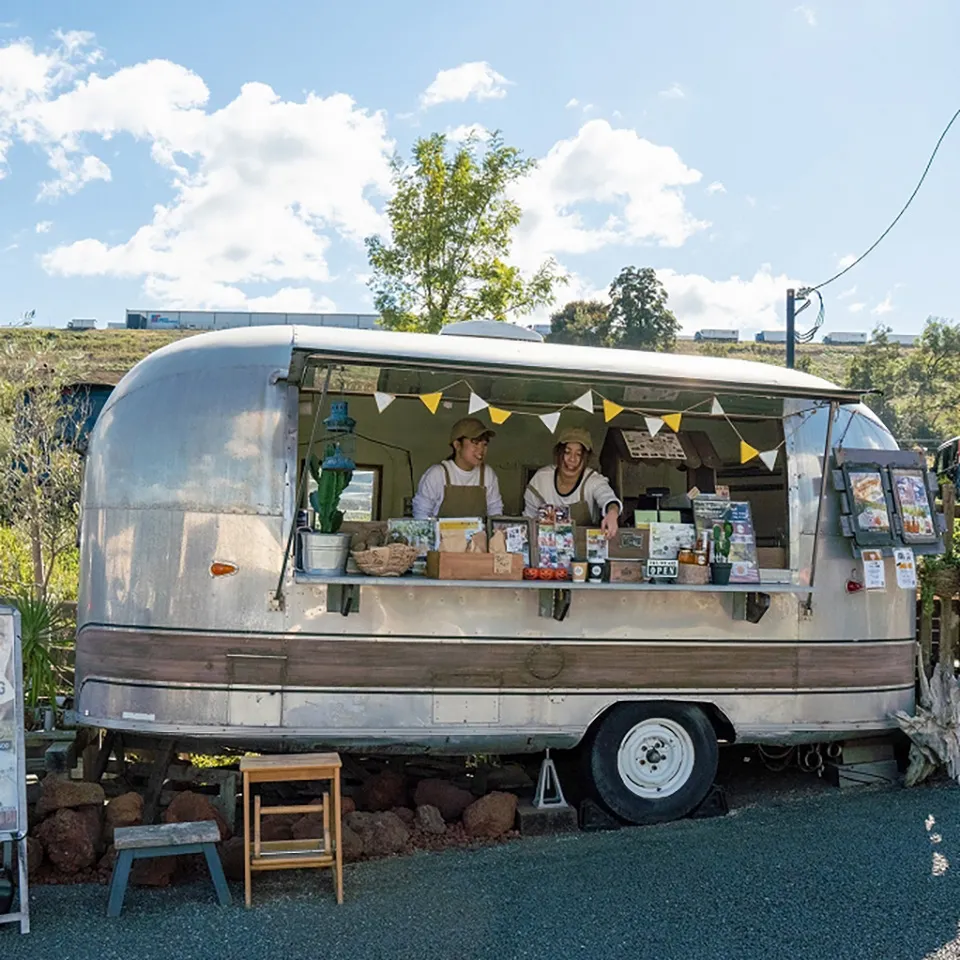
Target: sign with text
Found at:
13, 811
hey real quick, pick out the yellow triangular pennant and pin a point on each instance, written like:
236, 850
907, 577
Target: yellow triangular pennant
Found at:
431, 400
610, 410
747, 452
672, 420
497, 415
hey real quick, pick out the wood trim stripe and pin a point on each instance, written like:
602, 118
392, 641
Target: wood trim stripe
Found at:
298, 661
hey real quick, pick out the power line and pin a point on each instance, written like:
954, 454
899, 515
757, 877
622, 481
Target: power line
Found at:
873, 246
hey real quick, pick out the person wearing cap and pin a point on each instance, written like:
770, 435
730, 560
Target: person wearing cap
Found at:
462, 485
569, 482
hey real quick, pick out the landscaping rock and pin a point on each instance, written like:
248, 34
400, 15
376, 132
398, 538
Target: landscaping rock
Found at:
429, 820
352, 844
154, 872
34, 856
231, 856
123, 811
108, 860
383, 792
308, 827
405, 814
93, 818
347, 804
66, 840
277, 828
447, 797
490, 816
188, 806
59, 793
382, 833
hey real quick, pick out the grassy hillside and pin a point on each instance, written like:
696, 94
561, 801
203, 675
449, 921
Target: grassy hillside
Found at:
105, 355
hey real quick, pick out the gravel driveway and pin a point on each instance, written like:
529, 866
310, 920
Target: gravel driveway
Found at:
871, 874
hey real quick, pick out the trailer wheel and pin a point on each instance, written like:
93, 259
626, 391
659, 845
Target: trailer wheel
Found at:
651, 762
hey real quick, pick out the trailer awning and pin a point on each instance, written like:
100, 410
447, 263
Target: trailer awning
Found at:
688, 372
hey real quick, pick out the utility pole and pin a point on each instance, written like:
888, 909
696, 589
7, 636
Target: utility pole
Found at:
791, 327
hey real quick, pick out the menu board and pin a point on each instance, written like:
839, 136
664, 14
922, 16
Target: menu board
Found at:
913, 504
641, 446
743, 544
12, 779
869, 503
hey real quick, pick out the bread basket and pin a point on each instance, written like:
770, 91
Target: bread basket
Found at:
389, 561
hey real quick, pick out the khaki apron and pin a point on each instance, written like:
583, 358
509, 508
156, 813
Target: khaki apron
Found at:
463, 501
580, 512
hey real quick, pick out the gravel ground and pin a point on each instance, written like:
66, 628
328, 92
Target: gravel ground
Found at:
871, 873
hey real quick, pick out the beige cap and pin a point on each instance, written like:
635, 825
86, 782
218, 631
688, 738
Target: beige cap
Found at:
576, 435
471, 428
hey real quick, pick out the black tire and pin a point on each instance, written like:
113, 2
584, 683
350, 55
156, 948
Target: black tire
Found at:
639, 802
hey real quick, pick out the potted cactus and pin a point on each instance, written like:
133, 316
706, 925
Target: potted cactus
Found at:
720, 566
325, 549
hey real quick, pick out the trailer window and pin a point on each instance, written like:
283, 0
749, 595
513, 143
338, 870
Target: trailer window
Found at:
361, 500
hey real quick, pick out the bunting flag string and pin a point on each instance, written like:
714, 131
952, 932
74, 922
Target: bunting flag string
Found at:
611, 409
432, 400
550, 420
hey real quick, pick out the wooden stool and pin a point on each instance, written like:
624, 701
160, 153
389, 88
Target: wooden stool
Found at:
292, 854
165, 840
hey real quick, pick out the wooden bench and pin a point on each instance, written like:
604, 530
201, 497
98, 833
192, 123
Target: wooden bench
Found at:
165, 840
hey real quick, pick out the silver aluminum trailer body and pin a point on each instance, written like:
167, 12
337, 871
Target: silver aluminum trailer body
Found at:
194, 460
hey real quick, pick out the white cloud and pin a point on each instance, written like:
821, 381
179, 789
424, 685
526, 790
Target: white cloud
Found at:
640, 184
808, 14
716, 187
617, 115
856, 307
751, 201
573, 102
259, 187
477, 79
673, 92
587, 107
847, 293
884, 306
467, 130
43, 226
845, 262
747, 305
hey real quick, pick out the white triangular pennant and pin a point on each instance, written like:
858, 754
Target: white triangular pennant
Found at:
715, 409
769, 458
383, 400
585, 402
653, 425
476, 403
550, 420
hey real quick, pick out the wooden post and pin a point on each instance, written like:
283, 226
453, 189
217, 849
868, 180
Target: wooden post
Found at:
948, 620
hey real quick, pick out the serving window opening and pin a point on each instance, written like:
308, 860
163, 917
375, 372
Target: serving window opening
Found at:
404, 416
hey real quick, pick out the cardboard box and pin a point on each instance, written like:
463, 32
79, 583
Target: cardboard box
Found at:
474, 566
626, 571
630, 544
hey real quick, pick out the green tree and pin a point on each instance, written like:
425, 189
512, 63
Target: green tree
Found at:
451, 219
877, 370
40, 471
639, 316
582, 322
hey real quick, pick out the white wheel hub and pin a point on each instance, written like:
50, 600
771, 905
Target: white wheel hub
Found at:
655, 758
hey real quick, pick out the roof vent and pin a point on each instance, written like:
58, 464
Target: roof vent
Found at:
492, 329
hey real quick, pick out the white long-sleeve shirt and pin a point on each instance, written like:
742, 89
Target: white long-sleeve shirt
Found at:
429, 495
596, 491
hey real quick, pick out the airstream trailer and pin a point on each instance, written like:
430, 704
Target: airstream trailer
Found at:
195, 621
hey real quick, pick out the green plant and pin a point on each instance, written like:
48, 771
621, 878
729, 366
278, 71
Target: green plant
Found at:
721, 541
44, 626
325, 500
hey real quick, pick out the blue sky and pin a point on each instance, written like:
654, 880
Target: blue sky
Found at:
234, 155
